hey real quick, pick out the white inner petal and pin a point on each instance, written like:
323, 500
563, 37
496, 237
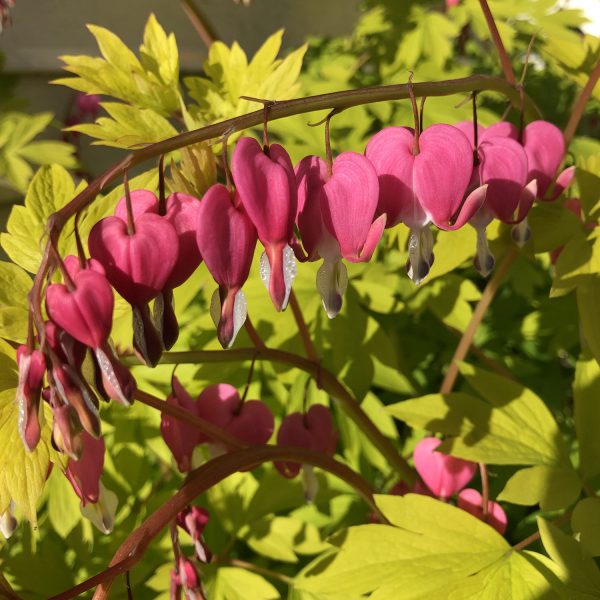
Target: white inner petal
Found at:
332, 281
239, 314
102, 513
289, 272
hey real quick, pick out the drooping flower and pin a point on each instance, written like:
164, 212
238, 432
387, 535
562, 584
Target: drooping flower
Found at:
32, 366
264, 178
102, 512
471, 501
336, 219
84, 474
444, 475
226, 238
312, 430
501, 164
194, 519
423, 185
138, 258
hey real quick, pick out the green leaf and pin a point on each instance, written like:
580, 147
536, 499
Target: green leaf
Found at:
434, 550
585, 523
15, 285
22, 473
588, 299
231, 583
586, 391
552, 488
50, 189
579, 572
552, 226
451, 250
63, 504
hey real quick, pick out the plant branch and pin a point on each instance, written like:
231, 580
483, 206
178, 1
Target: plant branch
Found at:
509, 74
580, 103
482, 306
326, 380
199, 22
242, 564
278, 110
309, 347
135, 545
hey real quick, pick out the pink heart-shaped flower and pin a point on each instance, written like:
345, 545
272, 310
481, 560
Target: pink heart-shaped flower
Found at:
217, 403
138, 265
444, 475
472, 501
348, 203
84, 312
84, 474
252, 424
32, 366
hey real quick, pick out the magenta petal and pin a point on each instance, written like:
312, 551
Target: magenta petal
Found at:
293, 432
504, 169
444, 475
442, 172
350, 198
319, 422
467, 128
142, 201
226, 238
84, 474
469, 208
390, 153
138, 265
471, 501
545, 147
182, 213
375, 232
501, 129
563, 181
86, 312
267, 187
217, 403
32, 366
311, 175
253, 424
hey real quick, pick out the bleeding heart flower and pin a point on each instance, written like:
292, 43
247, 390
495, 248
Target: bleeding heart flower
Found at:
32, 366
102, 513
501, 164
266, 183
66, 431
8, 523
226, 239
425, 187
84, 474
472, 501
217, 403
252, 423
313, 430
85, 312
193, 520
178, 435
444, 475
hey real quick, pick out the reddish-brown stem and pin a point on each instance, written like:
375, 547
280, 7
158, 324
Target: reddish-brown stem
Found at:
579, 105
485, 490
162, 200
502, 55
534, 537
327, 381
482, 306
128, 206
199, 22
415, 109
242, 564
133, 548
307, 342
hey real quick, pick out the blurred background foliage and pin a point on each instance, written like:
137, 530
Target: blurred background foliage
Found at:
392, 340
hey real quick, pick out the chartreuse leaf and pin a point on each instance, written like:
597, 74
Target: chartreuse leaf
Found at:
506, 424
231, 583
577, 264
151, 83
430, 550
585, 523
586, 391
552, 226
17, 148
588, 299
63, 504
229, 75
15, 284
22, 473
50, 189
578, 571
451, 250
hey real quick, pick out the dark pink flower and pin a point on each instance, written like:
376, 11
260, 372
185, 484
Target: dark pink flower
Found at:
312, 430
444, 475
84, 473
193, 520
471, 501
226, 238
32, 367
426, 187
266, 183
